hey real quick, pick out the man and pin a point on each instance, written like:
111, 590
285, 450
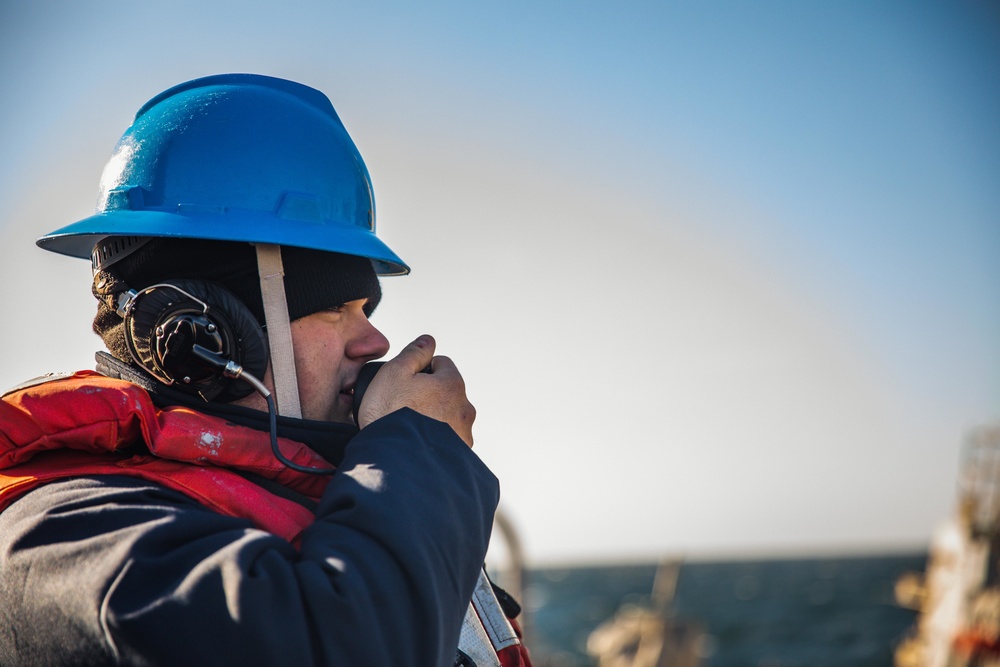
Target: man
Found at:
180, 506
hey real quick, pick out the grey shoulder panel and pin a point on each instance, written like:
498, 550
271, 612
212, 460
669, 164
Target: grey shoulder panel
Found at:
34, 382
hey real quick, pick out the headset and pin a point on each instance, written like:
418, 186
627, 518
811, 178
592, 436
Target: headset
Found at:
198, 337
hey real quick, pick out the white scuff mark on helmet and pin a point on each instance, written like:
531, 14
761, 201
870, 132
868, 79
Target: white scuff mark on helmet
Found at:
116, 169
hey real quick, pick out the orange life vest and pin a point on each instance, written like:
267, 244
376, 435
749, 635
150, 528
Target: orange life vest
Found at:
86, 424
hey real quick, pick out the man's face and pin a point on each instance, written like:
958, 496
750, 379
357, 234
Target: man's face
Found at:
330, 348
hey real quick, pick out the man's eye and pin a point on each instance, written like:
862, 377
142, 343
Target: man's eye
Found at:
335, 309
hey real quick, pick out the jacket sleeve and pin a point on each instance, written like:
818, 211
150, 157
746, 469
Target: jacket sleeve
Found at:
116, 570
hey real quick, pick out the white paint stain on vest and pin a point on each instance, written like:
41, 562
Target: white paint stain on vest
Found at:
211, 441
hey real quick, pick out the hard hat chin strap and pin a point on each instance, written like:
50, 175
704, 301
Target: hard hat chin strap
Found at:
279, 329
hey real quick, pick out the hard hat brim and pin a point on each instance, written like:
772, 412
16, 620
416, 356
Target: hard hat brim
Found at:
79, 238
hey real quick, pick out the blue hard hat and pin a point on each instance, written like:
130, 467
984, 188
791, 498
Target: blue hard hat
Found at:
236, 157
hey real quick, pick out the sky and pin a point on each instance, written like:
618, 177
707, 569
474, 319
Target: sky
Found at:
723, 278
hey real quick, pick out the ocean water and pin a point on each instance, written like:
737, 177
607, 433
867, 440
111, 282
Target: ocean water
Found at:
819, 612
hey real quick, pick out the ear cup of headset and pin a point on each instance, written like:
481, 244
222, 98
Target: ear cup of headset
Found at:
165, 322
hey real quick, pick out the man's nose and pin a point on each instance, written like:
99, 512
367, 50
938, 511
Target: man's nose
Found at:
367, 342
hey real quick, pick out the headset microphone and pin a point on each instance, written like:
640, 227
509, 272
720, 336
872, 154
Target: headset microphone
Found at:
365, 377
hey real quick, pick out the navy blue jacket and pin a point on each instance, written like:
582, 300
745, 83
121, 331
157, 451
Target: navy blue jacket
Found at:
116, 570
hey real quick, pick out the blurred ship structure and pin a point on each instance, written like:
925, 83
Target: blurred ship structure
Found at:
653, 636
958, 598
